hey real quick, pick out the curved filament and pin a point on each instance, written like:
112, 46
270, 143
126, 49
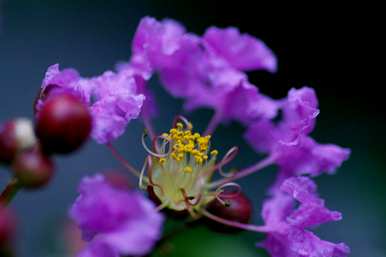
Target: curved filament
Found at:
149, 151
222, 188
184, 120
150, 175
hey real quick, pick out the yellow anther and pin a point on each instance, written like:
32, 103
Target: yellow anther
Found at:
162, 161
188, 169
214, 152
199, 159
185, 142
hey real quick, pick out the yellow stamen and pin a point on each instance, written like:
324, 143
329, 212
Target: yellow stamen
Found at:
214, 152
188, 169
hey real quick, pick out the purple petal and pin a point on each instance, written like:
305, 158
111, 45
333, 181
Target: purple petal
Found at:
117, 103
116, 219
242, 51
300, 243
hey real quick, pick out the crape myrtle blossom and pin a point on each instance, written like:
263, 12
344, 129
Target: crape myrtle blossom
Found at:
289, 235
205, 71
113, 98
180, 167
288, 142
115, 221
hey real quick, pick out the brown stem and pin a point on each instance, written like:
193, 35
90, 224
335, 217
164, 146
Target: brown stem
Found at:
122, 160
10, 191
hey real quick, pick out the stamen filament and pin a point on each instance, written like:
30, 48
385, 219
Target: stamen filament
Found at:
162, 206
213, 124
149, 127
142, 178
245, 172
122, 160
149, 151
249, 227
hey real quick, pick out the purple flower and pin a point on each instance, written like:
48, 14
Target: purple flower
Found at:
207, 71
114, 221
288, 234
117, 102
114, 98
288, 142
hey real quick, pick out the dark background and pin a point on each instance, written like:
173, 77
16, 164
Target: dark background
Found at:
326, 46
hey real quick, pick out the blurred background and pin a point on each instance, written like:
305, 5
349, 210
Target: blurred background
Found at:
328, 47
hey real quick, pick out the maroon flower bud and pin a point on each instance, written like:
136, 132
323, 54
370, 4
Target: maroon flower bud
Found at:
232, 207
15, 135
63, 123
7, 225
33, 169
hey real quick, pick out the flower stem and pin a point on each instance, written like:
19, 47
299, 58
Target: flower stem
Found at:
122, 160
10, 191
249, 227
213, 123
245, 172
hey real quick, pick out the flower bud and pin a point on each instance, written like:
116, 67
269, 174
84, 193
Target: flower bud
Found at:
63, 123
232, 207
15, 135
7, 225
33, 169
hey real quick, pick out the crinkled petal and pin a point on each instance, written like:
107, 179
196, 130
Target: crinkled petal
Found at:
288, 142
186, 73
242, 51
300, 243
62, 78
309, 157
137, 237
246, 104
276, 209
56, 81
117, 103
328, 157
111, 116
300, 111
114, 218
155, 41
311, 211
97, 201
287, 236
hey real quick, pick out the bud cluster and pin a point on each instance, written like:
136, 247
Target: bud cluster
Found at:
62, 125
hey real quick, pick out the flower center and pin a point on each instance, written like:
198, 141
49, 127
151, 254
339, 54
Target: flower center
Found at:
180, 177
